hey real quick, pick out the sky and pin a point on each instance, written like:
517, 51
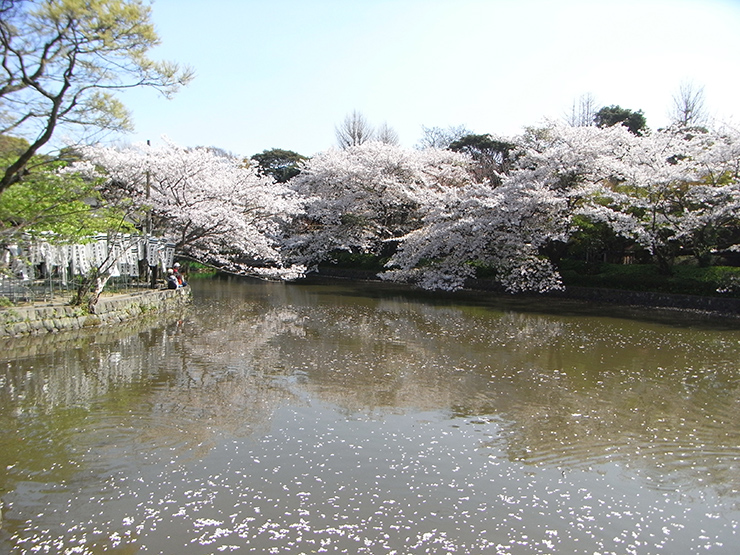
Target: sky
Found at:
285, 73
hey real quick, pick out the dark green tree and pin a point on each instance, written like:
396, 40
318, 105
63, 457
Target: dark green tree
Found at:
491, 155
282, 165
612, 115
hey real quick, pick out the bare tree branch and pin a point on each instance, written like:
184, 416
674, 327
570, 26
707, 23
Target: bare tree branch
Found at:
355, 130
688, 106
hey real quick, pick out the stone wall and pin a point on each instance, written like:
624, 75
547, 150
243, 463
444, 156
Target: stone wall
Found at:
37, 319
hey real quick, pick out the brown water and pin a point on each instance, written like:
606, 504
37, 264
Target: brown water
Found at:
273, 418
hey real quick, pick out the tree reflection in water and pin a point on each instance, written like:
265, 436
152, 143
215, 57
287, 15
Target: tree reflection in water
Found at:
297, 417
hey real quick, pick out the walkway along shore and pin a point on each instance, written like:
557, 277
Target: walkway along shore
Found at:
49, 317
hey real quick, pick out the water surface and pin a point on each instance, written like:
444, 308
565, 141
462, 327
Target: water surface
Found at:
361, 418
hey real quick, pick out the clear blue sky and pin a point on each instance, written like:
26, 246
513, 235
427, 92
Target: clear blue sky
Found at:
284, 73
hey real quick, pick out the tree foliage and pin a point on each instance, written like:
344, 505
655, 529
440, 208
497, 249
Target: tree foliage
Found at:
62, 61
52, 200
281, 165
212, 207
59, 206
11, 148
492, 156
613, 115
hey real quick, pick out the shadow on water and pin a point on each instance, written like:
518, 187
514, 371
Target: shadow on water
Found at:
529, 303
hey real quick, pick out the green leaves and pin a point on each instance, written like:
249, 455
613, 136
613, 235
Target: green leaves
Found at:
63, 61
612, 115
281, 164
65, 205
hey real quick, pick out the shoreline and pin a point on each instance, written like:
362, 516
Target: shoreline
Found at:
49, 318
43, 318
711, 306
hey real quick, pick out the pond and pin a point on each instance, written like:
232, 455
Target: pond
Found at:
365, 418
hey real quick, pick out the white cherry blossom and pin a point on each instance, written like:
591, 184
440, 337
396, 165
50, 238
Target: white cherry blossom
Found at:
215, 208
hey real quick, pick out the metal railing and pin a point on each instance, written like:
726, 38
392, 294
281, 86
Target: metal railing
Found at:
33, 271
51, 289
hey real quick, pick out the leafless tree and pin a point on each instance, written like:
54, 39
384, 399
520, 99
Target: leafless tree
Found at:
436, 137
355, 130
386, 134
583, 111
688, 106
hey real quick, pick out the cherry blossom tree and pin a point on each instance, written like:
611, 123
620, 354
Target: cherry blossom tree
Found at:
702, 210
363, 196
502, 228
642, 197
213, 207
668, 191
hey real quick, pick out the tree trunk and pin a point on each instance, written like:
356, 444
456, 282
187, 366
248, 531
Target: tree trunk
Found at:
88, 295
665, 263
100, 283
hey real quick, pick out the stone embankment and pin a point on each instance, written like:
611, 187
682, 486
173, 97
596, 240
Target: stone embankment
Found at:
716, 305
49, 318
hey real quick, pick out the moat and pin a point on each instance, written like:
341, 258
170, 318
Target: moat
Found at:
366, 418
